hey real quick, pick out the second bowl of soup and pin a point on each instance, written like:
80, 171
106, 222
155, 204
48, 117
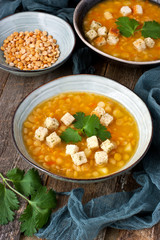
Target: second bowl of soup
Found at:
125, 31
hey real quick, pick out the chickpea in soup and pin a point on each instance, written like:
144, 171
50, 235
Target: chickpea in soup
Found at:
123, 29
81, 135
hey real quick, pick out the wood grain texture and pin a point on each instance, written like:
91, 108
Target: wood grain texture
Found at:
12, 90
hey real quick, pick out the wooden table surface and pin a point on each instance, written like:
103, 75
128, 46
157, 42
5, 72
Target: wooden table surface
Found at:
12, 90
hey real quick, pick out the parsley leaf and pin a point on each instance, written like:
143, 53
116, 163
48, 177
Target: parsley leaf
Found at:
38, 211
80, 119
91, 124
70, 135
40, 206
8, 203
151, 29
127, 26
87, 124
25, 183
102, 133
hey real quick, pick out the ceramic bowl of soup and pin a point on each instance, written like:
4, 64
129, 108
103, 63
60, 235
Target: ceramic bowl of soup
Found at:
80, 132
34, 43
95, 24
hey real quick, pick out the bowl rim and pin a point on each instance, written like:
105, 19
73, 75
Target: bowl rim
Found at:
101, 52
13, 69
80, 180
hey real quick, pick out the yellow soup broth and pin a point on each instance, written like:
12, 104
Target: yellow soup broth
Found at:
124, 49
123, 129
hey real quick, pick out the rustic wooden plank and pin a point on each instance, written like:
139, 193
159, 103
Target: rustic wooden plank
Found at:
3, 79
126, 75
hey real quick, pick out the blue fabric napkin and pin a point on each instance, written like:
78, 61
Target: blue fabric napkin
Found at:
82, 57
124, 210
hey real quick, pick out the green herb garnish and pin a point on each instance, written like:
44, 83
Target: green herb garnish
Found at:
40, 201
70, 135
127, 26
151, 29
87, 125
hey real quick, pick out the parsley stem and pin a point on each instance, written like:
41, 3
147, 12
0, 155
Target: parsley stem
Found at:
5, 181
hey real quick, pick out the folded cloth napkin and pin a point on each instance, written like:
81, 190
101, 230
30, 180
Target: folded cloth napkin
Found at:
82, 57
134, 210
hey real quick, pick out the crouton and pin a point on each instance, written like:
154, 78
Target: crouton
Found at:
149, 42
53, 139
139, 44
112, 40
113, 36
108, 15
102, 31
95, 25
113, 32
91, 34
79, 158
125, 10
41, 133
137, 9
98, 111
107, 146
106, 119
51, 123
92, 142
71, 149
67, 119
101, 157
100, 41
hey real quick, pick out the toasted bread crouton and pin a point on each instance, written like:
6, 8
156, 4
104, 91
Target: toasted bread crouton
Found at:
95, 25
71, 149
139, 44
92, 142
111, 40
102, 31
100, 41
113, 32
107, 146
67, 119
91, 34
101, 157
108, 15
125, 10
51, 123
41, 133
79, 158
98, 111
149, 42
53, 139
106, 119
137, 9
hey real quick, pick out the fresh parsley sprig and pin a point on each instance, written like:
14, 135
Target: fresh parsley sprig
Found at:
151, 29
88, 126
29, 187
128, 26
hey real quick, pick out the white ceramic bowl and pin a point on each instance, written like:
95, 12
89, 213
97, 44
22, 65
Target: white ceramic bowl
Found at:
29, 21
86, 83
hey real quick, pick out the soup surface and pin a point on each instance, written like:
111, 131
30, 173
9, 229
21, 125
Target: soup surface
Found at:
123, 129
124, 47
